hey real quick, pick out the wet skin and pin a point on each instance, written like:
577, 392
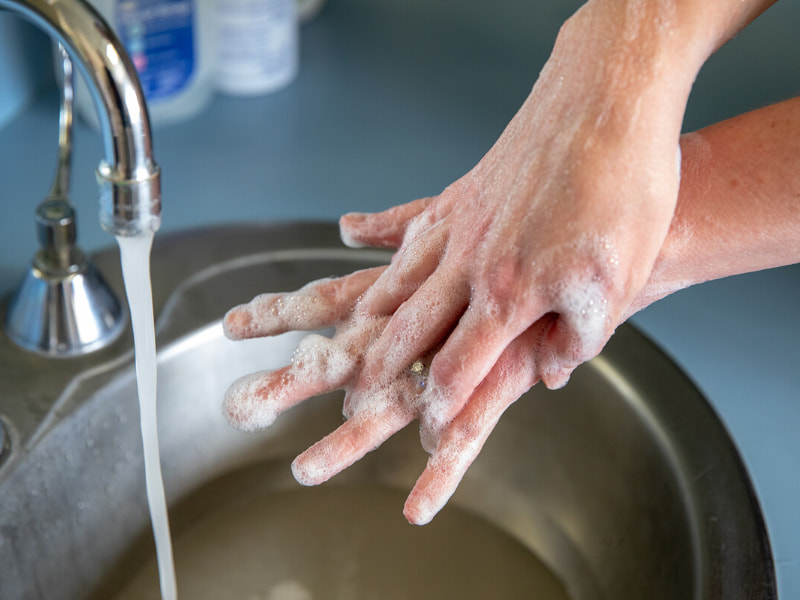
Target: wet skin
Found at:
522, 269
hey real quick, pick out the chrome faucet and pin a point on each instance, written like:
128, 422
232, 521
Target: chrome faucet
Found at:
128, 178
130, 189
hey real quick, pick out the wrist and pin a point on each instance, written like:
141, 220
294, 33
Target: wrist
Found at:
683, 32
634, 47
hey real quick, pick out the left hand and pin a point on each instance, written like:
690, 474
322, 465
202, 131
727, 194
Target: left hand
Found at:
321, 365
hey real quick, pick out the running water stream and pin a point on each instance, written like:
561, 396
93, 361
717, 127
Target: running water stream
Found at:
135, 258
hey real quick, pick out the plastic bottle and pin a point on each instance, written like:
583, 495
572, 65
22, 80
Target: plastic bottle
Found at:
171, 43
257, 45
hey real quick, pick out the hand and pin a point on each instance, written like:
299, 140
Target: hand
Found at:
561, 220
321, 364
519, 271
697, 248
498, 282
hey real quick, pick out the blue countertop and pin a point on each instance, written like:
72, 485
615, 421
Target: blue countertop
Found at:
396, 99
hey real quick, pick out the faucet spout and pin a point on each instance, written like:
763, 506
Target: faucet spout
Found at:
128, 177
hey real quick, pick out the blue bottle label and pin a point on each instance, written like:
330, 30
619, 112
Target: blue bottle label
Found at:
159, 36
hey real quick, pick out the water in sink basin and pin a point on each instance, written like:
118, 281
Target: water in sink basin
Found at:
338, 542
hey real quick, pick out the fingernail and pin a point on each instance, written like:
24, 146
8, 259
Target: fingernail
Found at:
354, 218
351, 221
349, 241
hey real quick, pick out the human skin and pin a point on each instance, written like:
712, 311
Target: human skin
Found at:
739, 203
522, 269
738, 211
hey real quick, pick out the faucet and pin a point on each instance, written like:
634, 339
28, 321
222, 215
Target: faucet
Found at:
129, 183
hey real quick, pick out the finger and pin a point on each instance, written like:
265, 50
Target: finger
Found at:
411, 266
351, 441
465, 360
579, 333
319, 304
254, 401
461, 442
384, 229
416, 327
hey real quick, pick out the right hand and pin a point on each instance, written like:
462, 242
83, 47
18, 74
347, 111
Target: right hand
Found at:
520, 270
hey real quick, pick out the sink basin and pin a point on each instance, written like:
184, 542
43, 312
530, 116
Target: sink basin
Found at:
624, 484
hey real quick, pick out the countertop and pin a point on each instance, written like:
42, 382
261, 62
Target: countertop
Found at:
395, 100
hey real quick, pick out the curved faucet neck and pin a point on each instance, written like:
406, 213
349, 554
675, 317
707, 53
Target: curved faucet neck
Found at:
129, 178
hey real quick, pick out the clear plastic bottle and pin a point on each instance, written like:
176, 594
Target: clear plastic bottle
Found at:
257, 45
171, 43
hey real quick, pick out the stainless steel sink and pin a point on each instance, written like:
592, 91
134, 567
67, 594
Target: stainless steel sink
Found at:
624, 484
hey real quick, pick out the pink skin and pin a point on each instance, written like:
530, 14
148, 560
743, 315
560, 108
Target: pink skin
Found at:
739, 206
728, 169
254, 401
522, 269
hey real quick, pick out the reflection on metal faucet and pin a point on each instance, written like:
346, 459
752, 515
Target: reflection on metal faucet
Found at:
64, 307
129, 179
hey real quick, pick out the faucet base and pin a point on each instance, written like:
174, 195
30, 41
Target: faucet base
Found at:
64, 316
64, 306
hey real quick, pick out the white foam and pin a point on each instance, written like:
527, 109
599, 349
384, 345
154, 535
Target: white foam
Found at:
349, 240
432, 413
244, 405
318, 357
271, 313
313, 472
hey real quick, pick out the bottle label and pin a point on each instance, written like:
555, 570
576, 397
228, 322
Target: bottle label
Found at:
159, 37
256, 44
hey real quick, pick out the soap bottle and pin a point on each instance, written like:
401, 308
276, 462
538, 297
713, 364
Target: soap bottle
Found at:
171, 44
257, 45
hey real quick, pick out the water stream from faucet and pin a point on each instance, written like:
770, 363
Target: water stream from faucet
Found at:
135, 259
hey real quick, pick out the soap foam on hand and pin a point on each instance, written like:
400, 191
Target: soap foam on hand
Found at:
246, 406
387, 396
317, 305
376, 407
319, 364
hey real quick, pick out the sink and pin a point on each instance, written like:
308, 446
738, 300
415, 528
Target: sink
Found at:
624, 484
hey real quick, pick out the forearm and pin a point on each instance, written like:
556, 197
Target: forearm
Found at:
616, 85
685, 30
642, 56
739, 203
